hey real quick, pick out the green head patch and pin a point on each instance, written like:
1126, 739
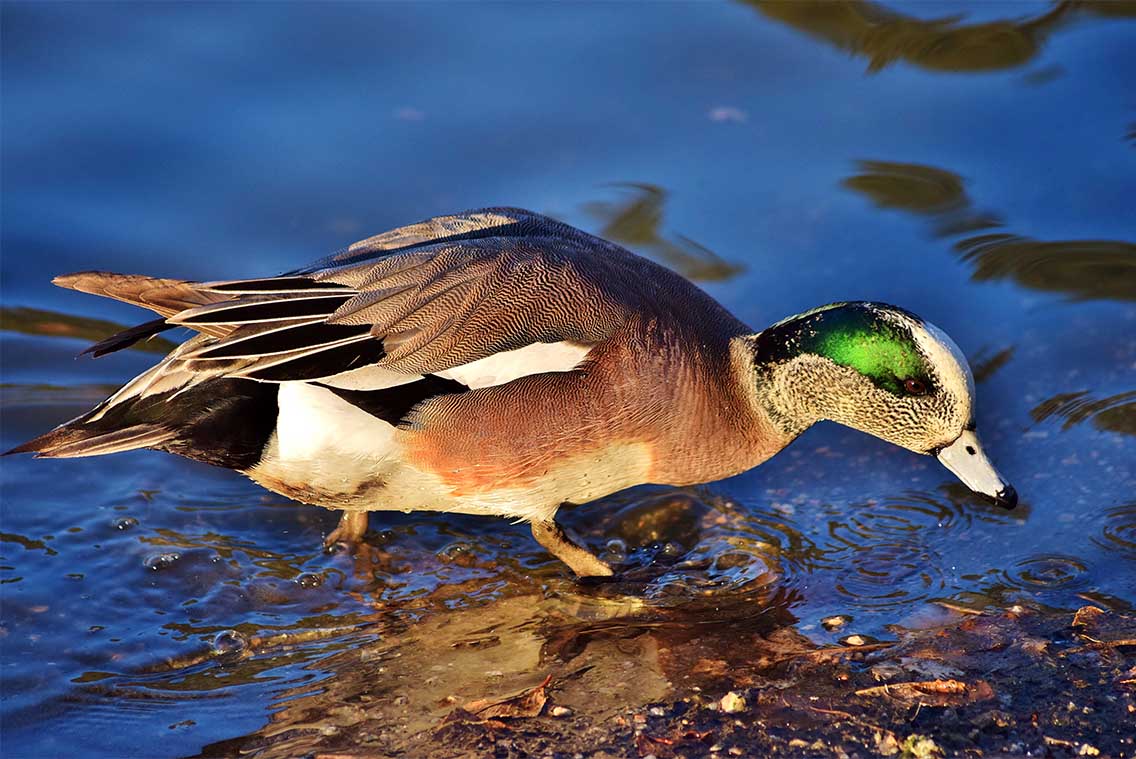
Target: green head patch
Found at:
856, 335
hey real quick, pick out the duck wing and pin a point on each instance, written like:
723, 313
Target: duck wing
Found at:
436, 295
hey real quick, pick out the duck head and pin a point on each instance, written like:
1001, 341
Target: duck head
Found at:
883, 371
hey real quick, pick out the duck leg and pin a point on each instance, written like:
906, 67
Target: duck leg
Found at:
552, 536
352, 527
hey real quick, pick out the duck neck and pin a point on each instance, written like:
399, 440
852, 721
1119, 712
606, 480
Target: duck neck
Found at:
781, 389
773, 392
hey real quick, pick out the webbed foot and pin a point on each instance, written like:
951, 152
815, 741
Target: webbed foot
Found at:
350, 531
552, 536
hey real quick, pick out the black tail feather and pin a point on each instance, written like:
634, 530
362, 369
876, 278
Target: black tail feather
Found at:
128, 337
226, 422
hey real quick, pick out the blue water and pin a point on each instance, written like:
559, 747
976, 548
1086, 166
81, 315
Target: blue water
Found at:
785, 156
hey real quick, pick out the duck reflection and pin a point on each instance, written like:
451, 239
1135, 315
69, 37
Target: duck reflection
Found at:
400, 693
985, 364
379, 663
637, 222
884, 36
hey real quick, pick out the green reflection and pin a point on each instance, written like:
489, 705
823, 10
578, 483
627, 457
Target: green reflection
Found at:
637, 223
934, 193
884, 36
34, 321
1082, 269
1116, 413
984, 365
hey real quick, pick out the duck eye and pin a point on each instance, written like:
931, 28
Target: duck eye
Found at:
914, 386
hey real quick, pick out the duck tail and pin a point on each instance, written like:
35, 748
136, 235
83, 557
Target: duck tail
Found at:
224, 421
165, 297
75, 439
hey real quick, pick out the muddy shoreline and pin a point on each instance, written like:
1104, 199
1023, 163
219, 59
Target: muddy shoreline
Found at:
1025, 682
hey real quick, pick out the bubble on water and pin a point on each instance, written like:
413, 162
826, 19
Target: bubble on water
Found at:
125, 523
656, 521
309, 580
666, 551
229, 642
731, 564
160, 561
615, 551
732, 560
459, 549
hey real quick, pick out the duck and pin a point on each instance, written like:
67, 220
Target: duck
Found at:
499, 362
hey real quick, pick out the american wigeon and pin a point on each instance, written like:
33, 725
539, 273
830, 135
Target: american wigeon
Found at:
499, 362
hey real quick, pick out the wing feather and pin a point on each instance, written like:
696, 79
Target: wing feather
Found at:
433, 296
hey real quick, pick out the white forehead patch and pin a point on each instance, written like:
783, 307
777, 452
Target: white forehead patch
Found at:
949, 363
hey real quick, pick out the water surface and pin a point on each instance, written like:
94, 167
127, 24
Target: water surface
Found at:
972, 162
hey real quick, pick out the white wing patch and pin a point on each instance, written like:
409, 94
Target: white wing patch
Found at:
506, 366
369, 378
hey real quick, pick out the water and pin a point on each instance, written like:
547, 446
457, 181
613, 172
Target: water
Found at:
977, 170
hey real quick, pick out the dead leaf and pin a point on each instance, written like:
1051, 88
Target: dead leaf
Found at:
1087, 616
709, 667
528, 703
460, 716
933, 692
647, 743
1104, 629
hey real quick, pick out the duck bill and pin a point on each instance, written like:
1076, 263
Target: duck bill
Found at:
967, 461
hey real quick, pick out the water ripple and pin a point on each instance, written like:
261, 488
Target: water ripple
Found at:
1119, 531
1116, 413
1046, 572
899, 518
888, 575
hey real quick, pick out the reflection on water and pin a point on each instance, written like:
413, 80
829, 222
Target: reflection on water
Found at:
1119, 531
885, 36
925, 190
1082, 269
34, 321
984, 364
1079, 268
395, 697
1114, 414
638, 221
150, 601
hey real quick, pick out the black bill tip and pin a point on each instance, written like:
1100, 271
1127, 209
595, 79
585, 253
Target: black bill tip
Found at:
1007, 497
